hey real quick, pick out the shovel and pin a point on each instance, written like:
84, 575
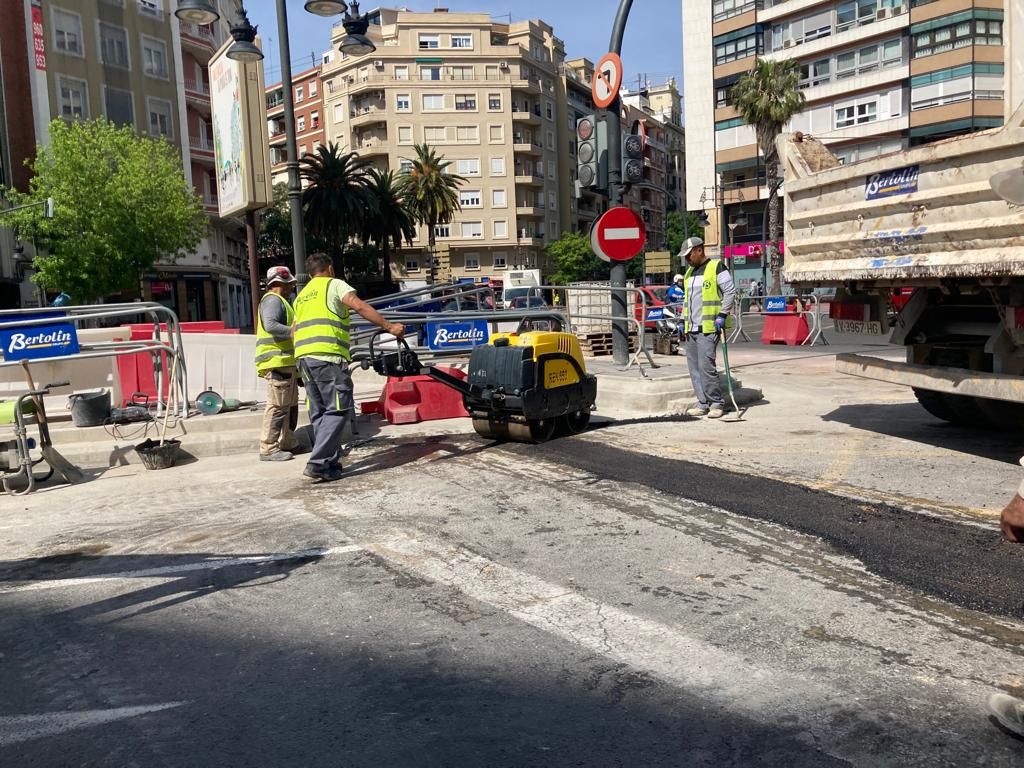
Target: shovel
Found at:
71, 473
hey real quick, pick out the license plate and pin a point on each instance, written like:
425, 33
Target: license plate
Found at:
866, 327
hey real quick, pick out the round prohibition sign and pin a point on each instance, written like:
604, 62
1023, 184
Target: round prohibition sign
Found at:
619, 233
607, 80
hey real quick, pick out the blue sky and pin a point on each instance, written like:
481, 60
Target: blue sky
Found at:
652, 44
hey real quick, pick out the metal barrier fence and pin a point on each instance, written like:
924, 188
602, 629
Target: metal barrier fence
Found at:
815, 326
160, 343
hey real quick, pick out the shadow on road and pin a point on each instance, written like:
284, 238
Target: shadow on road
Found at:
910, 421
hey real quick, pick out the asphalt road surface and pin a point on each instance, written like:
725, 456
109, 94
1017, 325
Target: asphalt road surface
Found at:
454, 602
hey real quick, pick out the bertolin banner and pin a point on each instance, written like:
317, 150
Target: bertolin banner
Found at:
897, 182
457, 334
35, 342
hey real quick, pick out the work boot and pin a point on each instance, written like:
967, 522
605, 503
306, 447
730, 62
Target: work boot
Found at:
716, 412
697, 411
276, 456
1012, 520
1008, 710
331, 474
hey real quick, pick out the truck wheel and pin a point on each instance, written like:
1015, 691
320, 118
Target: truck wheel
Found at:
935, 403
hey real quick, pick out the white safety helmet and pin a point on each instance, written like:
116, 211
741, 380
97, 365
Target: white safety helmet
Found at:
677, 278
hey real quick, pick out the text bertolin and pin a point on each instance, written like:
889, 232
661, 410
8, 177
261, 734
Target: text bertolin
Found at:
20, 341
459, 335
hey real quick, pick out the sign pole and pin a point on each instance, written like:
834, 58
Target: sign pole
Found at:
620, 332
294, 183
254, 277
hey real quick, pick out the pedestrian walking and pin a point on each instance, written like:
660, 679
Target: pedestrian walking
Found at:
709, 296
323, 351
275, 362
755, 295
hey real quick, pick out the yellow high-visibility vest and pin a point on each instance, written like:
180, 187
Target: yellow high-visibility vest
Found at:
270, 352
318, 330
711, 298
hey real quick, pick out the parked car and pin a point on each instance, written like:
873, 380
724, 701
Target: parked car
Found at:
656, 296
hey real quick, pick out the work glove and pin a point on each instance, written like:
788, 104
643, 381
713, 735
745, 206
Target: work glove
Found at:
720, 322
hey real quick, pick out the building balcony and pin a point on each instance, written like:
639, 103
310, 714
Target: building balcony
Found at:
526, 148
529, 179
197, 93
211, 204
530, 238
523, 116
373, 147
201, 149
200, 41
534, 211
529, 85
357, 85
367, 116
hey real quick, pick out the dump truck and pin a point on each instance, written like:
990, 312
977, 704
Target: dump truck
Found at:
945, 219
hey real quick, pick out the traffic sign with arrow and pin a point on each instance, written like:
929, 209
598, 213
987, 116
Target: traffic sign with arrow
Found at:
607, 80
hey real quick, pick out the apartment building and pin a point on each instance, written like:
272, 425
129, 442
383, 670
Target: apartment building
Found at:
310, 122
17, 134
484, 94
134, 63
877, 75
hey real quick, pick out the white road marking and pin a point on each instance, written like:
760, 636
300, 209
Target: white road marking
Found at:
657, 648
621, 233
18, 728
173, 570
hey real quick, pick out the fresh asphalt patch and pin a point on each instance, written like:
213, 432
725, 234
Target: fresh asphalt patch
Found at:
963, 564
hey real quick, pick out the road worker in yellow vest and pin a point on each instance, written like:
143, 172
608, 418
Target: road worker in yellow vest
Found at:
275, 362
709, 295
323, 351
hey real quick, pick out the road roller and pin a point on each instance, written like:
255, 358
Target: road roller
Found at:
527, 386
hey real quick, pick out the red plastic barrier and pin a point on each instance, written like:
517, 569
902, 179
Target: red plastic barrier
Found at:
785, 328
412, 399
135, 372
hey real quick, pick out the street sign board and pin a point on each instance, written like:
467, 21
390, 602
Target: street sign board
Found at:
775, 304
620, 233
593, 243
607, 80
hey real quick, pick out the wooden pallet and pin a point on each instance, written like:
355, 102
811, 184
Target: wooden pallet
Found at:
598, 344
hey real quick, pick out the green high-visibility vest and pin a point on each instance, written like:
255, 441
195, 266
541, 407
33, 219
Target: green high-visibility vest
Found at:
711, 299
270, 352
318, 330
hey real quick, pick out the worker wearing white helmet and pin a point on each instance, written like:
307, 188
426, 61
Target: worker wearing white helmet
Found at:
675, 291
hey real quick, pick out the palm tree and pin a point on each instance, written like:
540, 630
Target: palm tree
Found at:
431, 193
336, 198
767, 97
388, 220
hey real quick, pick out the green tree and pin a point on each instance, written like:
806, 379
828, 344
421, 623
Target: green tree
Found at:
275, 232
121, 204
389, 221
676, 231
336, 198
574, 260
767, 97
430, 192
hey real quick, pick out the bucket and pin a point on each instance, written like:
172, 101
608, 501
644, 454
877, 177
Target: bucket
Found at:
90, 409
156, 456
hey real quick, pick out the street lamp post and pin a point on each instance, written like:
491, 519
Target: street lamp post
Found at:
355, 43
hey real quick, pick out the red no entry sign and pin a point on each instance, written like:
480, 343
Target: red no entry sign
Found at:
619, 234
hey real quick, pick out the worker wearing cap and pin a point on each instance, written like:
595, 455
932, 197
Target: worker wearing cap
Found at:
323, 351
708, 301
275, 362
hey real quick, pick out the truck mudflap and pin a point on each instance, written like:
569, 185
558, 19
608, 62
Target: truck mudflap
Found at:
953, 381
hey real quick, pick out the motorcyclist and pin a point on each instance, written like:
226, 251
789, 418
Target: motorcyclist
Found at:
675, 291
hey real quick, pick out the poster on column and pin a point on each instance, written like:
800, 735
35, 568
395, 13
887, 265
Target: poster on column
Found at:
239, 117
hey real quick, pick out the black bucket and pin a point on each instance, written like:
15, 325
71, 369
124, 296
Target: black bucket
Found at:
156, 456
90, 409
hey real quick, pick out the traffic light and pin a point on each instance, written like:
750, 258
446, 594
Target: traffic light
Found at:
632, 159
586, 151
592, 152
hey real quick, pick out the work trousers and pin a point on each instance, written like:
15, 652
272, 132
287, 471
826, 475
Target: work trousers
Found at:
329, 393
282, 413
701, 350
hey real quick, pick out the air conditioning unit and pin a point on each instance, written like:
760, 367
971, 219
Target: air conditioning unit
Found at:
378, 63
503, 65
897, 10
787, 43
882, 13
